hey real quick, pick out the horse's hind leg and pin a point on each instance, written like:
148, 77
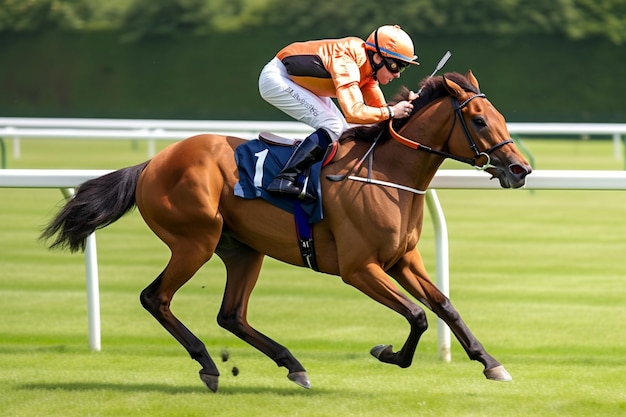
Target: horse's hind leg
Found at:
156, 298
243, 265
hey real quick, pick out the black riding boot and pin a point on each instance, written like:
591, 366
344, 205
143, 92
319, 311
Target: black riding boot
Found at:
308, 152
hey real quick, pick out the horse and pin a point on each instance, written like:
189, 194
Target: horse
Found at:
368, 234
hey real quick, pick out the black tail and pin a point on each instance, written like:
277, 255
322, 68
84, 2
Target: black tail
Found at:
96, 204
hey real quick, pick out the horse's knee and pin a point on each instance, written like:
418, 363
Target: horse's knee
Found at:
152, 302
146, 299
234, 323
231, 322
418, 320
224, 321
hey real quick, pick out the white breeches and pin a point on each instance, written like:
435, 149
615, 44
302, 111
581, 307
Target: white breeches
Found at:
318, 112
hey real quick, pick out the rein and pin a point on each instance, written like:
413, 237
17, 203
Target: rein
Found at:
458, 114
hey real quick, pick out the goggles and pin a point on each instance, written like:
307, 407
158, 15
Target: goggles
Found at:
395, 66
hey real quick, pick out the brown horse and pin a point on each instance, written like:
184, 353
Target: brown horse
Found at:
368, 235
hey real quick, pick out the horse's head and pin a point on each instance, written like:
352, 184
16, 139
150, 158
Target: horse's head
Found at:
477, 133
482, 130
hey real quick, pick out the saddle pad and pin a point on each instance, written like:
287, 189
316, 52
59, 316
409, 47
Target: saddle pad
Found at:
259, 162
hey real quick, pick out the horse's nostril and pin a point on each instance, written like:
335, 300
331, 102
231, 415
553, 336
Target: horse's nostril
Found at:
519, 170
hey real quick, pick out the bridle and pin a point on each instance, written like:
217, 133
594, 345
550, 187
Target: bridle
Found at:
458, 114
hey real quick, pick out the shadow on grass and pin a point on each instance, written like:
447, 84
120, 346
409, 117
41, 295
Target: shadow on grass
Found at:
173, 390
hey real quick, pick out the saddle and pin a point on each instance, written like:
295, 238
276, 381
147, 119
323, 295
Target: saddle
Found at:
273, 139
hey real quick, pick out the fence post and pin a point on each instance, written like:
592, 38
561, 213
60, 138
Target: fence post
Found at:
442, 268
91, 281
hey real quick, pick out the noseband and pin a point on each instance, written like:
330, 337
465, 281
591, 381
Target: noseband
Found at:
458, 114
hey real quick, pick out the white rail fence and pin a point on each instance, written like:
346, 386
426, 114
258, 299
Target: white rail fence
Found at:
151, 130
66, 180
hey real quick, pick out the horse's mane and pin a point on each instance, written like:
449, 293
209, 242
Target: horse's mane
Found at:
432, 89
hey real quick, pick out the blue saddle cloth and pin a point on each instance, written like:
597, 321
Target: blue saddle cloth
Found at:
259, 162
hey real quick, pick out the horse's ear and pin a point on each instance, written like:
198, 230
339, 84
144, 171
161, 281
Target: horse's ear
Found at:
453, 88
470, 77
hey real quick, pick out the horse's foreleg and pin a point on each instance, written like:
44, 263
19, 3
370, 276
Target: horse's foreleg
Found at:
375, 283
243, 265
411, 275
156, 299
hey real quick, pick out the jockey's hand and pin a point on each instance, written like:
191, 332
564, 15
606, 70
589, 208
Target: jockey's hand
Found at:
402, 109
413, 96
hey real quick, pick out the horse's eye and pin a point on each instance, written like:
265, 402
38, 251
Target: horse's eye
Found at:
480, 122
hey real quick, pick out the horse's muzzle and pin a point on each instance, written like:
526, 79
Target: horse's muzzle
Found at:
513, 176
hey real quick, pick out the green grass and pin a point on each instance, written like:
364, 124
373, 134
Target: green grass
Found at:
538, 277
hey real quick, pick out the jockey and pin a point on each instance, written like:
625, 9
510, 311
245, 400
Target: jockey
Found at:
303, 77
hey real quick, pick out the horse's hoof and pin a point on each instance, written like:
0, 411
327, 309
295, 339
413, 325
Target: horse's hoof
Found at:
498, 373
381, 352
300, 378
211, 381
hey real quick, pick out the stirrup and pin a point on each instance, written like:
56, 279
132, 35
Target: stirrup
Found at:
286, 187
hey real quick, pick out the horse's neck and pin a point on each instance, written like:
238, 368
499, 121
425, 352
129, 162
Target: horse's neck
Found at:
407, 166
390, 161
402, 164
429, 127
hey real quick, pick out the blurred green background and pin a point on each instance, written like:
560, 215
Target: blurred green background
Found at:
200, 59
539, 282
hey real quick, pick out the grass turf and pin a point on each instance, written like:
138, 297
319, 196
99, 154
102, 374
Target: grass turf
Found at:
538, 276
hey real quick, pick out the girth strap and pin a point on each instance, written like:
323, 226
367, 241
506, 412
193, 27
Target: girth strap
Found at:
304, 230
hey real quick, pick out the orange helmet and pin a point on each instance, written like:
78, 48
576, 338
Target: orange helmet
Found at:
390, 41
